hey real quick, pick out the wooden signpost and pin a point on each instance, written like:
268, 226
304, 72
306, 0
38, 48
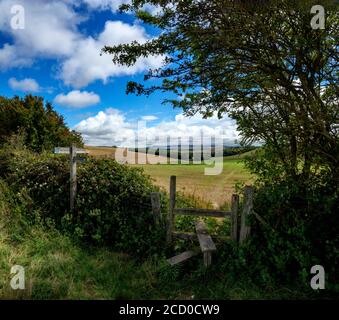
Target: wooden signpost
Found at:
72, 151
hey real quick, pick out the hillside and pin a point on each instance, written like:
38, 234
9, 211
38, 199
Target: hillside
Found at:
216, 190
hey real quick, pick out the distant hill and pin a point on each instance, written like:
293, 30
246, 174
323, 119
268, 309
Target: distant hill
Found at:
242, 155
230, 153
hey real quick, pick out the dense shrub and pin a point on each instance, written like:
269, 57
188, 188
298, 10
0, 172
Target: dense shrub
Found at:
113, 206
44, 128
301, 224
304, 230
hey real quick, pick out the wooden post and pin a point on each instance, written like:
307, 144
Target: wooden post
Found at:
207, 258
207, 245
170, 220
72, 151
155, 199
247, 210
73, 176
234, 217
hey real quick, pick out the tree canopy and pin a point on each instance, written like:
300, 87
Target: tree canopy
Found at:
42, 126
261, 62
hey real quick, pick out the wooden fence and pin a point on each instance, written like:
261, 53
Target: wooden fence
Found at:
239, 231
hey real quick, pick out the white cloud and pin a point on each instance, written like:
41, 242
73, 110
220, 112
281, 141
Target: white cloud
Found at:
86, 65
149, 118
77, 99
106, 4
110, 127
114, 5
11, 58
52, 31
25, 85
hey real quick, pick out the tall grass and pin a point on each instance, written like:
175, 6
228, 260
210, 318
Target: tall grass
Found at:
56, 267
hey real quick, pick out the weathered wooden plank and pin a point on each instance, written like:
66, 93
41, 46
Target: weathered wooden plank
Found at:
73, 177
234, 217
247, 210
207, 258
62, 150
206, 243
205, 240
81, 151
155, 199
202, 212
193, 236
170, 220
184, 235
181, 257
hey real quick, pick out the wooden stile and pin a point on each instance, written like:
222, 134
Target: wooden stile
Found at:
181, 257
247, 210
202, 212
155, 199
206, 243
234, 217
170, 220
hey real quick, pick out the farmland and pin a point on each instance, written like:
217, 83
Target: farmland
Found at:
192, 180
214, 189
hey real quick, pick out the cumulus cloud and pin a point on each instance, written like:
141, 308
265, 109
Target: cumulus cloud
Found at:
149, 118
114, 5
106, 4
25, 85
110, 127
86, 65
77, 99
52, 31
11, 58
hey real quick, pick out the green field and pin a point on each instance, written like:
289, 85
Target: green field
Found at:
191, 179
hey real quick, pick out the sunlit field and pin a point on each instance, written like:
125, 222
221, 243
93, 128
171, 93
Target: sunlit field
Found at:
191, 178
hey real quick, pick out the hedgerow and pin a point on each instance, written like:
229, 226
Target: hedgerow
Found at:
112, 207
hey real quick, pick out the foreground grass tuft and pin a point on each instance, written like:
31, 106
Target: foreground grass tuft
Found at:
56, 267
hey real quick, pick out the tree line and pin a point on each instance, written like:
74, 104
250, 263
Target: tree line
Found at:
43, 128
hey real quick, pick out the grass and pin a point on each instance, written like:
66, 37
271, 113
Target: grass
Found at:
191, 178
57, 267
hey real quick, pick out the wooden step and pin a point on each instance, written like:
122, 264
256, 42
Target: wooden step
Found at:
206, 243
181, 257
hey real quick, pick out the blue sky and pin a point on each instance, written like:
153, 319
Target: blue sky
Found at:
52, 49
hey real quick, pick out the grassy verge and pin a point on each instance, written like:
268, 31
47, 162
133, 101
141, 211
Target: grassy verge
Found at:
56, 267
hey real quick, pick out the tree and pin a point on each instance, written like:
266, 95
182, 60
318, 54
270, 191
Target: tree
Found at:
263, 64
43, 127
260, 62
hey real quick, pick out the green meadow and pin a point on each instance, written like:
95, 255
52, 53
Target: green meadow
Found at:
192, 180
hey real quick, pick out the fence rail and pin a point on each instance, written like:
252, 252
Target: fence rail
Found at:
239, 232
202, 212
